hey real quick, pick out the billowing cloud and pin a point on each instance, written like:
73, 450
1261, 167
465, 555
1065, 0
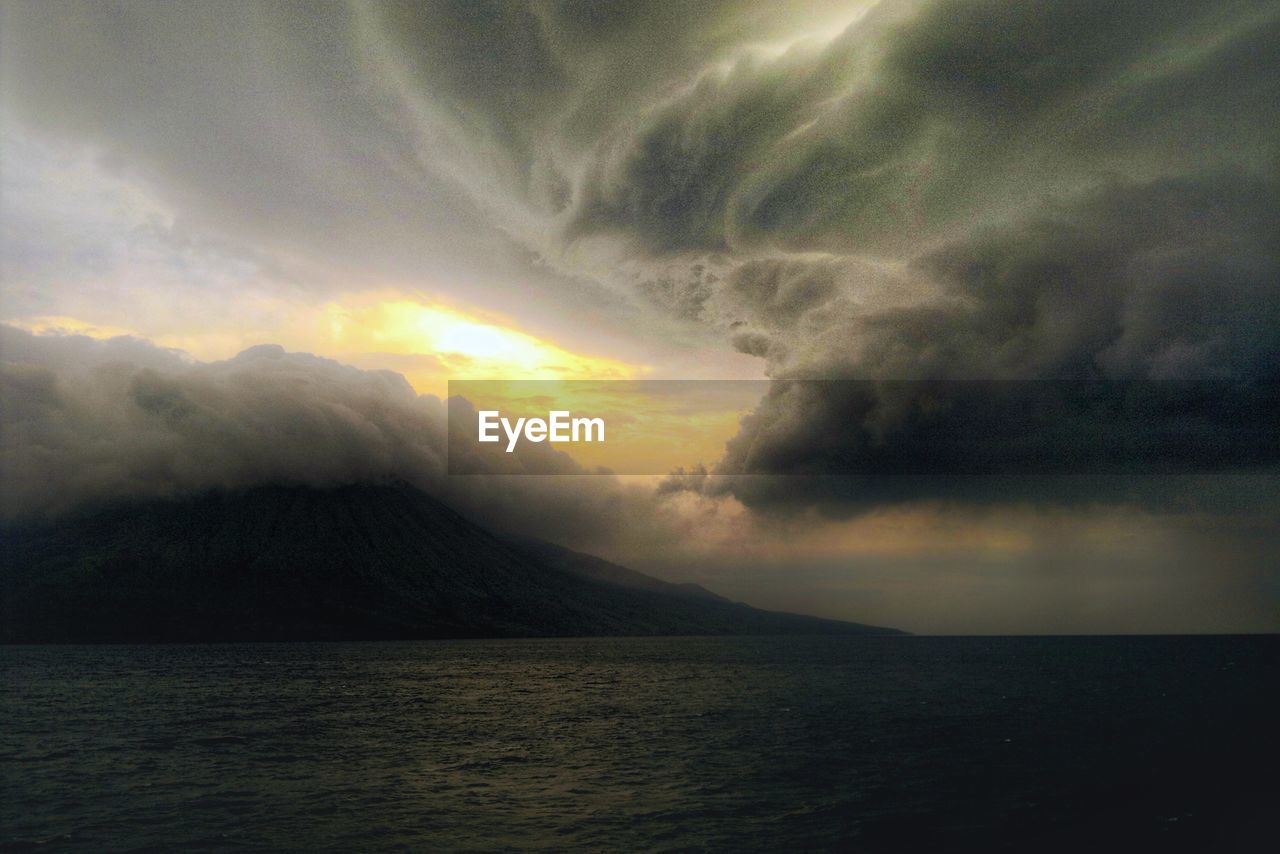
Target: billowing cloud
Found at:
89, 422
1134, 314
944, 191
924, 119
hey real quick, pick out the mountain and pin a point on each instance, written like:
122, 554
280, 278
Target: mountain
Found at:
598, 569
353, 562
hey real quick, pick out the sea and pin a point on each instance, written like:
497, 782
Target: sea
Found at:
645, 744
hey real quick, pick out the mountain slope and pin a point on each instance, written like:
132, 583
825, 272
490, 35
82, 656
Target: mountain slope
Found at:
598, 569
350, 562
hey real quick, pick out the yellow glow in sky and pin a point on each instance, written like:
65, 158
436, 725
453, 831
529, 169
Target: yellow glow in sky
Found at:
428, 342
652, 428
462, 346
59, 325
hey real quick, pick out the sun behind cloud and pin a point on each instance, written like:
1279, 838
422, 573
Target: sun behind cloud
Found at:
456, 344
429, 342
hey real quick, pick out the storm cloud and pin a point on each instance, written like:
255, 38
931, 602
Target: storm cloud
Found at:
940, 215
941, 191
87, 423
1087, 334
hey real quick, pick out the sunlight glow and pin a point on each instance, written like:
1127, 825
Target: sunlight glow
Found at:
461, 346
429, 343
62, 325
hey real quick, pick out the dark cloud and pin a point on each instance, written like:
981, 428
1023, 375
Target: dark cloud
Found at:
678, 152
911, 124
1134, 331
88, 422
975, 191
778, 291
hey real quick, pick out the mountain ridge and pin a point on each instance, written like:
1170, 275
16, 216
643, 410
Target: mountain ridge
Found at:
351, 562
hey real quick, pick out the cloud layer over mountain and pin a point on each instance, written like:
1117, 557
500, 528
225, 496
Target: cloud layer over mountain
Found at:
86, 423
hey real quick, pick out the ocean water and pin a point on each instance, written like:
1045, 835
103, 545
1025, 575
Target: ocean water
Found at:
862, 744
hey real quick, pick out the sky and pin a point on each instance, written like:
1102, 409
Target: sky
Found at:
251, 242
